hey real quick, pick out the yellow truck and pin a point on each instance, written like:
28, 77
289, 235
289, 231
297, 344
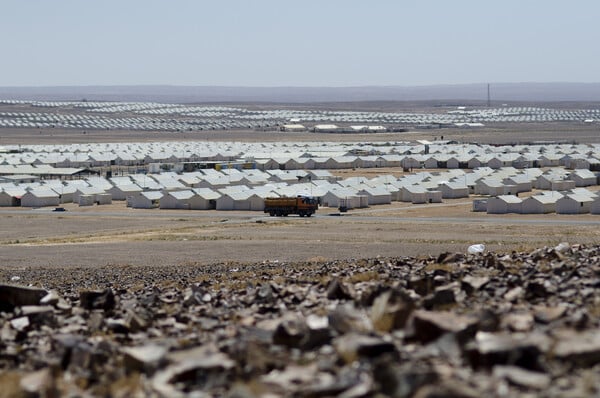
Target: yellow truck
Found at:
301, 205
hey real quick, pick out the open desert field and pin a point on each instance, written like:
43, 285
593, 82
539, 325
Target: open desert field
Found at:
509, 134
105, 235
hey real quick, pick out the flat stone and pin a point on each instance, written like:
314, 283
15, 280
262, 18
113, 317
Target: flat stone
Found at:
50, 299
20, 324
352, 346
145, 358
429, 325
97, 299
441, 296
545, 314
195, 369
522, 377
522, 350
12, 296
518, 322
580, 349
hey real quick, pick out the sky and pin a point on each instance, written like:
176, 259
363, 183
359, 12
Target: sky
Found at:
334, 43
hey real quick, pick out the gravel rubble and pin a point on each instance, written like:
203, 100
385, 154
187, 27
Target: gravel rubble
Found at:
456, 325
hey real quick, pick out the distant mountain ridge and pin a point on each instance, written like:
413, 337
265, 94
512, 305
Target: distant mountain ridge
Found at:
526, 92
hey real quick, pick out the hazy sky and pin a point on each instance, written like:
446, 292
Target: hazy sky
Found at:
297, 43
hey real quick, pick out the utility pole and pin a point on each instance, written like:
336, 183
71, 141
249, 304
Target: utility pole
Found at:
488, 96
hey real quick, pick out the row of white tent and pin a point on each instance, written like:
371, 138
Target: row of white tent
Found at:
575, 201
247, 189
230, 116
295, 156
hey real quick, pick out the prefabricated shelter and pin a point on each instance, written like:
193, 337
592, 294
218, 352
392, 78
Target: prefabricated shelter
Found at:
121, 192
206, 199
562, 185
595, 206
145, 200
11, 198
574, 204
489, 186
65, 192
504, 204
434, 196
414, 194
40, 198
337, 197
521, 182
243, 200
540, 204
177, 199
376, 195
583, 178
91, 191
453, 190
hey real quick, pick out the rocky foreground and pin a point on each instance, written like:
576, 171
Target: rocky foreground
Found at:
521, 324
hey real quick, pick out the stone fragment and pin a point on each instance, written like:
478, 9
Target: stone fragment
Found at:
447, 388
12, 296
539, 288
402, 381
391, 310
196, 369
580, 349
518, 322
97, 299
447, 257
265, 294
470, 284
514, 294
138, 320
293, 377
51, 298
117, 325
20, 324
39, 383
352, 346
545, 314
442, 296
521, 350
145, 358
337, 290
346, 318
421, 285
292, 332
429, 325
522, 377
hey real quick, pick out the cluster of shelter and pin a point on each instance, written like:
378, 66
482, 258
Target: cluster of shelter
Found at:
308, 155
242, 175
152, 116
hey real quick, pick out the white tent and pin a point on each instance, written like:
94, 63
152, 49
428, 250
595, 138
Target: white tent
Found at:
40, 198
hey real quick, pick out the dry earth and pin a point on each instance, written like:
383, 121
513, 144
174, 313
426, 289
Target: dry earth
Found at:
105, 235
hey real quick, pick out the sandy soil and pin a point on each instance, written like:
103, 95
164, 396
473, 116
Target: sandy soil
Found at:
105, 235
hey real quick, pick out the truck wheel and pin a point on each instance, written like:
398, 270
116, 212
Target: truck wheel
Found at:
271, 213
309, 214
